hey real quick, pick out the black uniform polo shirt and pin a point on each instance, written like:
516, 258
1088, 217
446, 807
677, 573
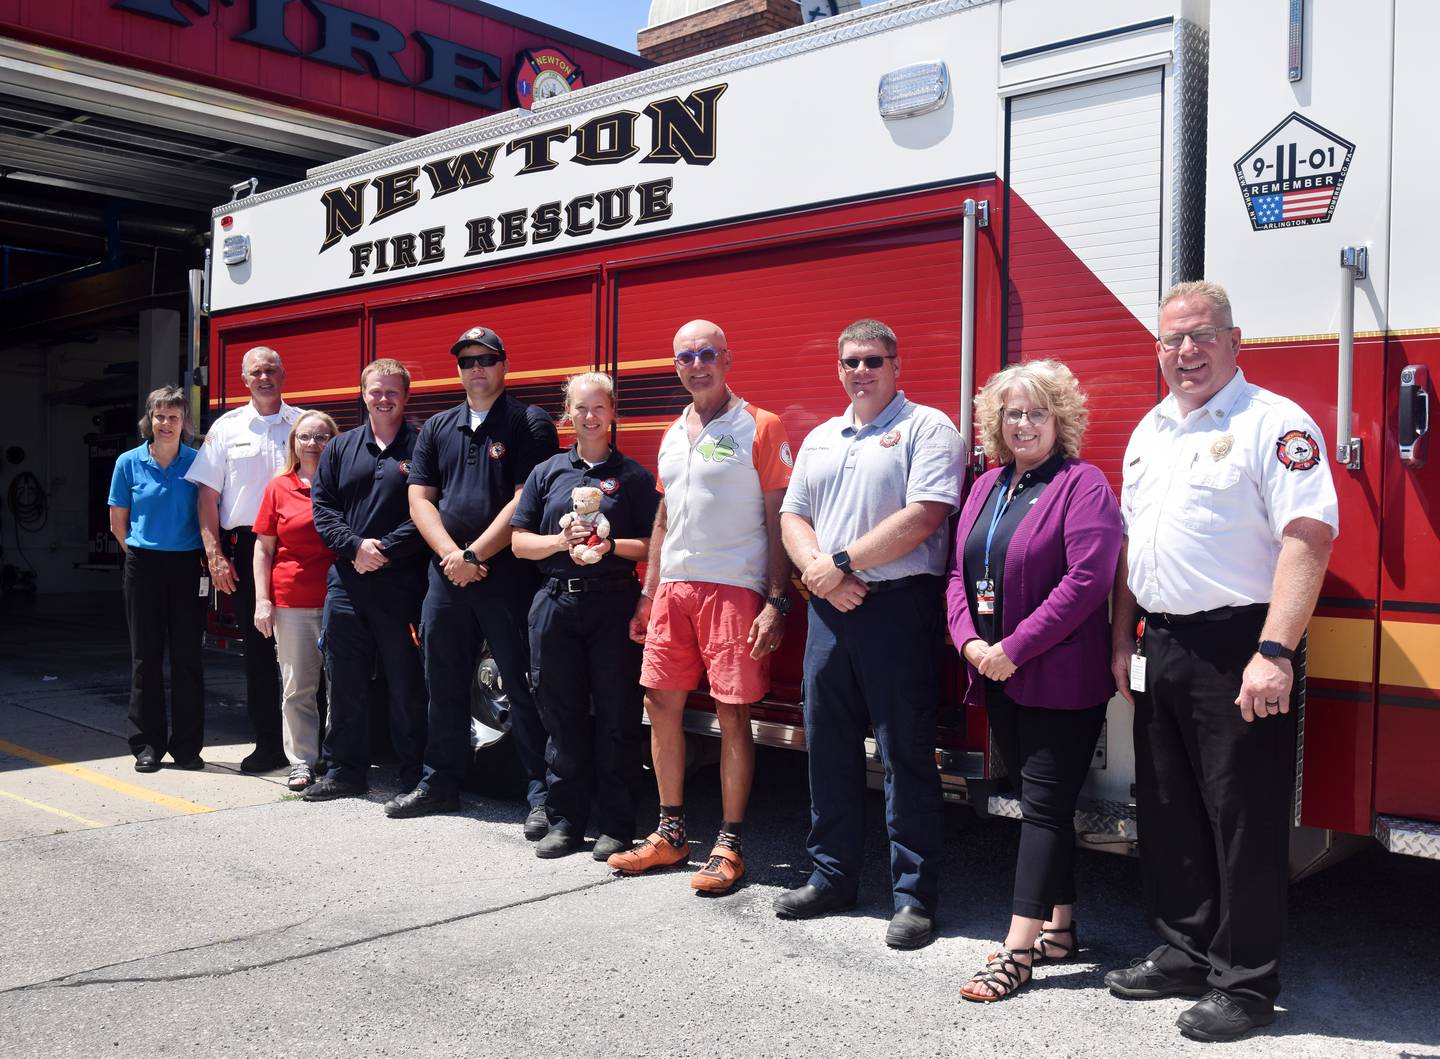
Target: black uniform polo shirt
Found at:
628, 498
361, 492
477, 473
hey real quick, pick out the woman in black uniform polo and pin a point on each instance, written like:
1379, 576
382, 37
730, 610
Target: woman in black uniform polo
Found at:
584, 668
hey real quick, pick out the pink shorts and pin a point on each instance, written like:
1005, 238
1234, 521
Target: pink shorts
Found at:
700, 627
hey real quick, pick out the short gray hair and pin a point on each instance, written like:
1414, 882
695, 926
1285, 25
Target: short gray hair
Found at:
1205, 291
870, 331
256, 352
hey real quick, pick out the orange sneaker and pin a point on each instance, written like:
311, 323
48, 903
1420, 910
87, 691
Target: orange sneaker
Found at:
655, 852
722, 871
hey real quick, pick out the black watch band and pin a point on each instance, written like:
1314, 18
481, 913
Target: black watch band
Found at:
841, 559
470, 557
780, 603
1275, 649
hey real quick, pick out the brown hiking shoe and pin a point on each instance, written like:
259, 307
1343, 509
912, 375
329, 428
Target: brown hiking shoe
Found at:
722, 871
655, 852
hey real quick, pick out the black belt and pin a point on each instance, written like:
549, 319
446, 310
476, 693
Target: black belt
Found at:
914, 580
557, 585
1200, 617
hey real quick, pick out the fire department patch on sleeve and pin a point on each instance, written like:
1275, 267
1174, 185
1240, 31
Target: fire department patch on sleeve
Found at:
890, 439
786, 456
1297, 450
610, 486
497, 449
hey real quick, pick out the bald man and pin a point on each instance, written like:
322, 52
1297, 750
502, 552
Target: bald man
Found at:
715, 596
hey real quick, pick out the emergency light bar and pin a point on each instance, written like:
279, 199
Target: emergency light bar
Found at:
912, 90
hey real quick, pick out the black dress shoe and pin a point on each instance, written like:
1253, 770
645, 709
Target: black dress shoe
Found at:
910, 928
1142, 980
147, 761
420, 802
557, 843
1220, 1017
810, 901
327, 788
606, 846
193, 763
537, 824
264, 759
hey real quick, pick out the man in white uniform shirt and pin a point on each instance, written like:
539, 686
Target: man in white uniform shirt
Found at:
243, 450
1230, 513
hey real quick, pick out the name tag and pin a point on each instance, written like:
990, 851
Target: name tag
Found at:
1137, 672
204, 587
984, 597
243, 448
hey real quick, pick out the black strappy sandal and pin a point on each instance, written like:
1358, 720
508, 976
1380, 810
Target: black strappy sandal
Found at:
1068, 950
1004, 974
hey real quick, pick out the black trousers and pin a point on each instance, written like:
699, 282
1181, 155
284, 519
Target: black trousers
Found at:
164, 610
262, 671
585, 672
1047, 754
368, 621
1214, 803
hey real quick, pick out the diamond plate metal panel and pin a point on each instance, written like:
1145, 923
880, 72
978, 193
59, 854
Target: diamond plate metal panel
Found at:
1190, 81
1414, 838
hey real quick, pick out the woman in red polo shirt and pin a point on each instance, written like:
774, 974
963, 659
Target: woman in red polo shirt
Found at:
291, 564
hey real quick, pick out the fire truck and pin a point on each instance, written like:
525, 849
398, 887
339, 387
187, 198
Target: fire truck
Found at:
997, 180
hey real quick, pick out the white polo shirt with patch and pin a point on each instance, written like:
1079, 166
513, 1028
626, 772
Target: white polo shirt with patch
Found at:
242, 452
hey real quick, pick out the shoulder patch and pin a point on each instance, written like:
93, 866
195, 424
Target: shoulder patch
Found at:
1297, 450
786, 456
610, 486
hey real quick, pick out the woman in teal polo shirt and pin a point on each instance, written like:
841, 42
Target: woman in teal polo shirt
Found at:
153, 516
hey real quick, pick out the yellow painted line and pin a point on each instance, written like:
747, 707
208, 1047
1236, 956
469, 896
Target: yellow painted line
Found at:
1410, 654
51, 809
80, 772
1341, 649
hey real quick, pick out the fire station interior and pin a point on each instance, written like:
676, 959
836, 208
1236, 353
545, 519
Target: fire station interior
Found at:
106, 187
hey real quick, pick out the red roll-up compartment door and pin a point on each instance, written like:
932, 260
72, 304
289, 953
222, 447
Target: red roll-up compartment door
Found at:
322, 355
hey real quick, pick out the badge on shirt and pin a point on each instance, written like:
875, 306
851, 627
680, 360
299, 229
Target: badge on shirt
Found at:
497, 449
1297, 450
890, 439
404, 466
984, 596
1221, 446
1137, 672
610, 486
786, 456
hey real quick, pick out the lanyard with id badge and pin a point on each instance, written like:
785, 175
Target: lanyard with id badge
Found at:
985, 587
1137, 660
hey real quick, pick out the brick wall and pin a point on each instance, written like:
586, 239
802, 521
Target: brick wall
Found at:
717, 27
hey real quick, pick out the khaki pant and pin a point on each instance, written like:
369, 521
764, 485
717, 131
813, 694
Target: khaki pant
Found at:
296, 631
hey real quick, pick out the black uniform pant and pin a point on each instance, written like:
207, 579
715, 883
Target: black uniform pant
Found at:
877, 665
1047, 754
369, 621
1214, 803
454, 623
262, 670
585, 672
164, 610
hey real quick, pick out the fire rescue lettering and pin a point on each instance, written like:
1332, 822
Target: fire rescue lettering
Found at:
681, 130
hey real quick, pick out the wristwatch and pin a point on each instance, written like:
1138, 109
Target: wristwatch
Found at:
1275, 649
841, 559
780, 603
470, 557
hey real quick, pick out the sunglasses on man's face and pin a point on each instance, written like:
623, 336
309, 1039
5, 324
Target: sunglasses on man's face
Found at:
482, 360
853, 363
708, 355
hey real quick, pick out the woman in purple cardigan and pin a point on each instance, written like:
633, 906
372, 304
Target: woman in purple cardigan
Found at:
1028, 598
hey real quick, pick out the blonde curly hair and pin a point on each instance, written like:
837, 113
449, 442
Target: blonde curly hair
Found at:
1051, 385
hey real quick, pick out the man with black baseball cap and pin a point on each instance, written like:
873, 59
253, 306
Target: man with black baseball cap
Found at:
469, 467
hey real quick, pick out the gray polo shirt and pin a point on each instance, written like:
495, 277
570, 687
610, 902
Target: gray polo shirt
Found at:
848, 479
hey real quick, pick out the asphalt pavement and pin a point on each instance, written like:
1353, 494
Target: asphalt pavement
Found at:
226, 917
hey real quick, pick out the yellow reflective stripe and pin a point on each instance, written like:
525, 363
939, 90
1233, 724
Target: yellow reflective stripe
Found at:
1341, 649
1410, 654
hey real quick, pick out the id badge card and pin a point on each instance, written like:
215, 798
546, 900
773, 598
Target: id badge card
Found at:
1137, 672
984, 596
204, 587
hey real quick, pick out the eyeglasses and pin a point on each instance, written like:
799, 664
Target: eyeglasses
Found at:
853, 363
1201, 336
708, 355
313, 439
1037, 416
484, 360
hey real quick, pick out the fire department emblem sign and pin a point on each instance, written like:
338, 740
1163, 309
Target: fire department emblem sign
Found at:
497, 449
1293, 176
1297, 451
544, 73
610, 486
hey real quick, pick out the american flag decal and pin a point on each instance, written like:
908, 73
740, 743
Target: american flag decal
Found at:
1294, 174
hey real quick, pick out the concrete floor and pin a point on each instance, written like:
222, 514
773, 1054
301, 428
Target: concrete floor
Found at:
208, 913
